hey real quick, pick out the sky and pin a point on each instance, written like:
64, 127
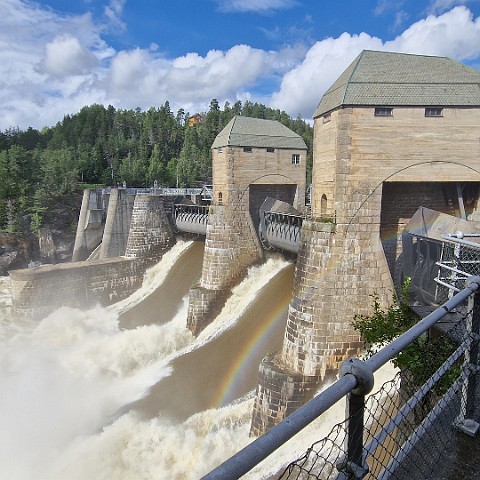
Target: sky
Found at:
57, 56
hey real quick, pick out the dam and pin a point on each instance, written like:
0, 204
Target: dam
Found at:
395, 132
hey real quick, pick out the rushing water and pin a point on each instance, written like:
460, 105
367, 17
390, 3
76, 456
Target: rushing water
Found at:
126, 392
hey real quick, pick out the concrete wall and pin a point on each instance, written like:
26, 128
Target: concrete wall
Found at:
91, 223
39, 291
117, 224
82, 284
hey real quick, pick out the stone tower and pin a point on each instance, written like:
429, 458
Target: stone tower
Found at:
394, 132
251, 159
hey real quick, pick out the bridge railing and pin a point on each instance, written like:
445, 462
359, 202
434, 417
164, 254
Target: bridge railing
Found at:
401, 431
205, 192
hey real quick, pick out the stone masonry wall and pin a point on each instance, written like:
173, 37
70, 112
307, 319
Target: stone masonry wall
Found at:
39, 291
231, 247
279, 393
151, 234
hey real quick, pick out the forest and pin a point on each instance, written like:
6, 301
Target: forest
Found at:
104, 146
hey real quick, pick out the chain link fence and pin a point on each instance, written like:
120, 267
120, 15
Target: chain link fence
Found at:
459, 259
438, 269
415, 425
411, 431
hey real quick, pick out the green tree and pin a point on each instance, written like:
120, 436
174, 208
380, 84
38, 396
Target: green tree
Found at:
156, 168
190, 160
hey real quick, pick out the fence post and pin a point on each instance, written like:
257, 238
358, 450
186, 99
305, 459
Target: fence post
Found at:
354, 466
466, 423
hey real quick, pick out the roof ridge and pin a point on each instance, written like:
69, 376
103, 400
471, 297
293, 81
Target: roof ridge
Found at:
347, 83
234, 119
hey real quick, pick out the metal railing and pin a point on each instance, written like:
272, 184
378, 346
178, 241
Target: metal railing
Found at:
459, 259
438, 269
394, 440
205, 192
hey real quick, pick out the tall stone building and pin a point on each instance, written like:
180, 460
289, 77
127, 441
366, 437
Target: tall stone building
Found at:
252, 159
394, 132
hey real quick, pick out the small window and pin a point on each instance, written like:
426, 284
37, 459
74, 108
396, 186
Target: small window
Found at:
327, 117
220, 149
383, 112
220, 198
295, 159
434, 112
323, 206
247, 149
270, 150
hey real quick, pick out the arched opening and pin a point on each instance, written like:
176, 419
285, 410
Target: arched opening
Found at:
323, 206
220, 198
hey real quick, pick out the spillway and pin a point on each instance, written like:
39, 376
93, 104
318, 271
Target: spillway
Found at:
126, 392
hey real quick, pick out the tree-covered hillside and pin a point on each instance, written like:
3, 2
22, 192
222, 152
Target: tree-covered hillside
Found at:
104, 146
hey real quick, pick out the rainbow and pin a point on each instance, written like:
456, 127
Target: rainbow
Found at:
251, 350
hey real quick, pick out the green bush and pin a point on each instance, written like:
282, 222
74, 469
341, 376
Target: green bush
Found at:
422, 357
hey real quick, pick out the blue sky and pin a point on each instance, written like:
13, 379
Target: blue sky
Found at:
56, 56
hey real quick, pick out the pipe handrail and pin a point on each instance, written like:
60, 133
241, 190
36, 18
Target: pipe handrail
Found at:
251, 455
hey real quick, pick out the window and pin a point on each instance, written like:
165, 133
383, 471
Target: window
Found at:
270, 149
247, 149
327, 117
434, 112
295, 159
220, 198
323, 206
220, 150
383, 111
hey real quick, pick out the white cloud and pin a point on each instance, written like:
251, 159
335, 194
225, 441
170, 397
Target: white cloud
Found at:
138, 76
260, 6
455, 34
440, 6
113, 11
54, 64
66, 56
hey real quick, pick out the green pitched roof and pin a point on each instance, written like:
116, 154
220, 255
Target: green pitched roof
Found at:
256, 132
400, 79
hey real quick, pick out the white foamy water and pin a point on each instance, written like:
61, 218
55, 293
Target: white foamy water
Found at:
154, 278
64, 382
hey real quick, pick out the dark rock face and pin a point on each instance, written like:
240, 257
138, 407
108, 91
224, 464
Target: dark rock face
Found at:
13, 253
54, 242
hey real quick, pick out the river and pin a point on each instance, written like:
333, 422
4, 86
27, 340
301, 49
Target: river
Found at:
127, 393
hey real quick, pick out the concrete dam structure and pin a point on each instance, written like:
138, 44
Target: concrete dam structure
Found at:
393, 133
252, 159
126, 233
